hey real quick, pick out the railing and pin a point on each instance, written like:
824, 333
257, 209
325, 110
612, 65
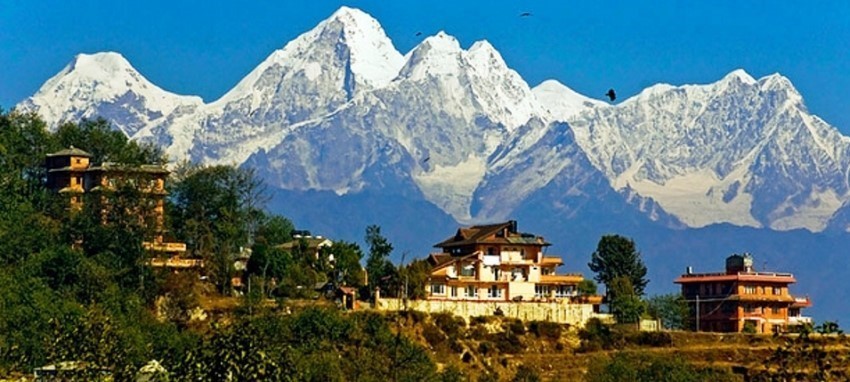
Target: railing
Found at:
798, 320
768, 274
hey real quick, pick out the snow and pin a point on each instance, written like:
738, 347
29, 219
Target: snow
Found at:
739, 150
453, 185
562, 102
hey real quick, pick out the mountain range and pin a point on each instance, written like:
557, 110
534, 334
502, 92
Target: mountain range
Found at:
351, 132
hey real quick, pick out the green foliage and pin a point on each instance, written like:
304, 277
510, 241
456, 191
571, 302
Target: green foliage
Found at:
525, 374
625, 304
648, 367
749, 327
382, 272
346, 268
587, 287
214, 211
806, 357
546, 329
616, 256
672, 309
415, 275
597, 335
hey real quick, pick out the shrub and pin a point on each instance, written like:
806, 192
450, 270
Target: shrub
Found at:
515, 326
652, 339
525, 374
433, 335
648, 367
546, 329
450, 324
508, 343
596, 335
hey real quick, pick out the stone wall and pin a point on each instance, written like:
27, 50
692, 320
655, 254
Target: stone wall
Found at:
559, 312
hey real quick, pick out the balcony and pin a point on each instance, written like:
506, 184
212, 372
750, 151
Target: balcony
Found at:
799, 320
164, 247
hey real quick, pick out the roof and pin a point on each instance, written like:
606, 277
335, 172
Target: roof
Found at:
70, 151
313, 243
549, 260
491, 233
122, 167
768, 277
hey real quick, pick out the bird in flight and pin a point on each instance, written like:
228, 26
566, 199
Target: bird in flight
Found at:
419, 33
611, 95
525, 14
426, 160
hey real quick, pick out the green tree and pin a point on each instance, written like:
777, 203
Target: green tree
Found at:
616, 256
212, 210
346, 268
671, 309
587, 287
626, 305
106, 144
381, 271
415, 275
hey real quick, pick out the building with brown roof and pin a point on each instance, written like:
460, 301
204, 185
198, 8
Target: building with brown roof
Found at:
70, 172
742, 298
496, 262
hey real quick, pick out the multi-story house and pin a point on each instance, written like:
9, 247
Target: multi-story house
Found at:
742, 299
70, 172
498, 263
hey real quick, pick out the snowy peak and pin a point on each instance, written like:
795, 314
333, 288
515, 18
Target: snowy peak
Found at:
436, 55
561, 102
104, 84
739, 75
348, 50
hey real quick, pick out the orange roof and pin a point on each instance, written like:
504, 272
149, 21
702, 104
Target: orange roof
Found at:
767, 277
573, 278
548, 260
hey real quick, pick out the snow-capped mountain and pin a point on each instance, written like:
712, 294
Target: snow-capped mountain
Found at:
339, 110
740, 151
105, 85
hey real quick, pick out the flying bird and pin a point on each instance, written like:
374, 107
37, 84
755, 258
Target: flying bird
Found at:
426, 160
525, 14
611, 95
419, 33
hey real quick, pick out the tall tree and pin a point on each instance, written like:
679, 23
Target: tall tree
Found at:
380, 269
625, 304
671, 309
616, 256
212, 210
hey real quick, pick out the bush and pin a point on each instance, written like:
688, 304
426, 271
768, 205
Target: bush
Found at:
596, 335
515, 326
647, 367
433, 335
546, 329
508, 343
486, 348
525, 374
450, 324
652, 339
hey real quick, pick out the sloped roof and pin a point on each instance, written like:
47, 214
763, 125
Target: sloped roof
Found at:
70, 151
313, 243
490, 234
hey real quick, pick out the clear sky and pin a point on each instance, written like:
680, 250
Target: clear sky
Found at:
204, 48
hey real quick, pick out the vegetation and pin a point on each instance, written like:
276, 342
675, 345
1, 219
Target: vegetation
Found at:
671, 309
649, 367
616, 256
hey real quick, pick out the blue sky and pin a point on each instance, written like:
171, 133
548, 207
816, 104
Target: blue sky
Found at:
204, 48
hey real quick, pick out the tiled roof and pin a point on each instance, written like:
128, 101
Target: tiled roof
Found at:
490, 234
71, 151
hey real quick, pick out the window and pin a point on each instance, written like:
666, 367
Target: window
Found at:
749, 289
438, 289
495, 271
467, 270
777, 291
749, 309
776, 310
547, 271
494, 292
471, 292
453, 291
565, 291
541, 291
